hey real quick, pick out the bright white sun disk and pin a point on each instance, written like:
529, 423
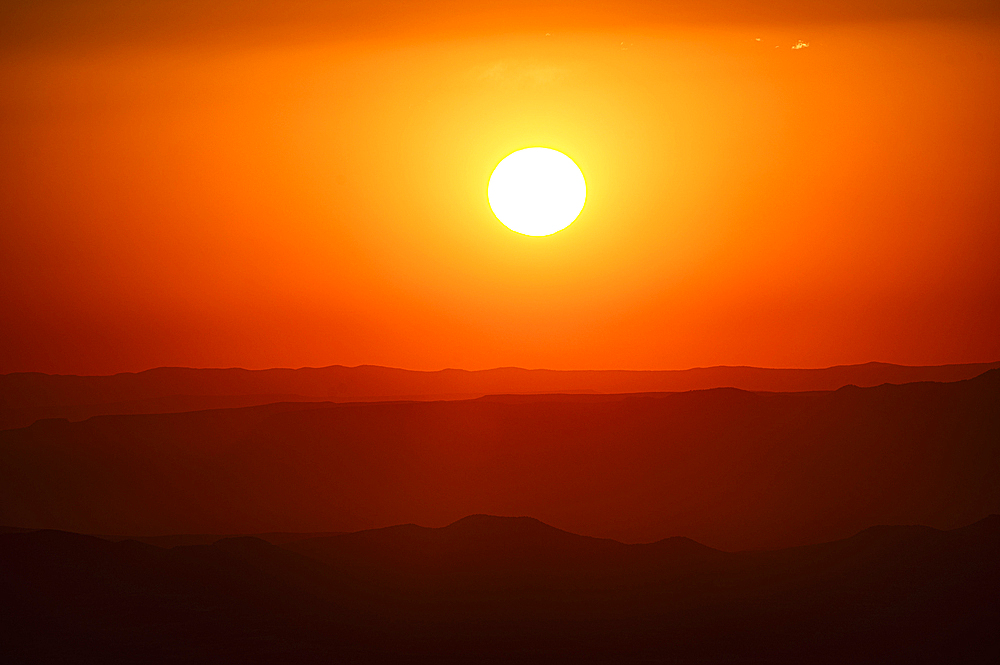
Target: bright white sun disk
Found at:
537, 191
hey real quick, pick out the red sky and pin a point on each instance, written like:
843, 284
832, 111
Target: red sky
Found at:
275, 184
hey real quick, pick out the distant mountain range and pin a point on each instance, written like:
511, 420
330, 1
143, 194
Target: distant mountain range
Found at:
501, 590
730, 468
27, 397
749, 510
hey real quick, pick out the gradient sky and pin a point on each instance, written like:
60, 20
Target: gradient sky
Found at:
303, 184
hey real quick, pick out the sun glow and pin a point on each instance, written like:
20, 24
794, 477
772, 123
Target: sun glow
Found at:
537, 191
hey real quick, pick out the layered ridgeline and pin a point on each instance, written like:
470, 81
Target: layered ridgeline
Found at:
491, 589
731, 469
27, 397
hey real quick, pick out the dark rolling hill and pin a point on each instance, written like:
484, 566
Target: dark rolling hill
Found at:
489, 589
27, 397
732, 469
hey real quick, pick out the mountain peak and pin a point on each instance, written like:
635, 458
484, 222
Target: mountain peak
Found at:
505, 526
483, 518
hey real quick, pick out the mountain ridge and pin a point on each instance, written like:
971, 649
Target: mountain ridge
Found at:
731, 469
909, 596
29, 396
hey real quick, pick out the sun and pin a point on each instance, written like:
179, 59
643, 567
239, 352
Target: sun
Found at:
537, 191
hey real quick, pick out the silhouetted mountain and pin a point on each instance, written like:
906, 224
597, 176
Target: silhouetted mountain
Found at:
732, 469
22, 417
178, 540
491, 556
488, 589
27, 397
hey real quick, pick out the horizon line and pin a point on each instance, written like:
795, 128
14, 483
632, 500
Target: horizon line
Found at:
512, 367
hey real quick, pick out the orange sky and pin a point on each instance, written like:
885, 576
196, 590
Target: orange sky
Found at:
205, 184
